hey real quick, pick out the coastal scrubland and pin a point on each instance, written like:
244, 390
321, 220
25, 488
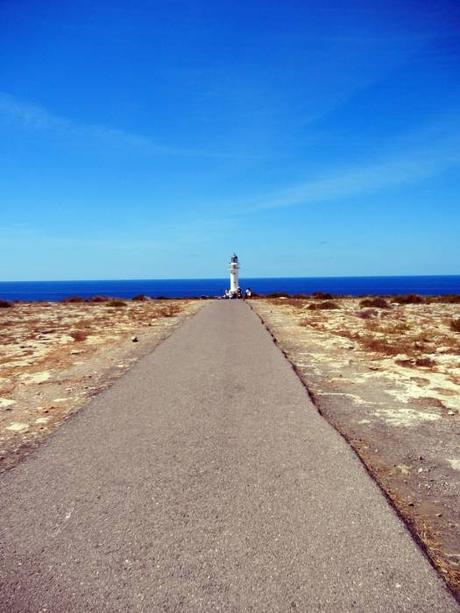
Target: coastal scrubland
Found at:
55, 356
385, 372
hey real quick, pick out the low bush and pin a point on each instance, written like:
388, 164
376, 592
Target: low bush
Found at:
326, 305
409, 299
5, 304
396, 328
79, 335
72, 299
367, 314
445, 299
406, 362
377, 302
322, 296
116, 303
99, 299
426, 362
381, 345
455, 325
450, 299
140, 298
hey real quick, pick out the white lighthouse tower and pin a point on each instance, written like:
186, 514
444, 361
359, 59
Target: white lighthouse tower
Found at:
234, 281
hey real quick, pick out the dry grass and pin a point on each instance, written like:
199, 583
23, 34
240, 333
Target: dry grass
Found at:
278, 295
414, 333
297, 303
385, 346
168, 310
43, 337
389, 328
396, 328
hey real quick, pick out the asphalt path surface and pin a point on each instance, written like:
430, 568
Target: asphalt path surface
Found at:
205, 480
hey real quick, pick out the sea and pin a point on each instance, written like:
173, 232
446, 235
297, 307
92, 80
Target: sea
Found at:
195, 288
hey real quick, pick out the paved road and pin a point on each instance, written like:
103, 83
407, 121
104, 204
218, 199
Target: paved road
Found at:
204, 480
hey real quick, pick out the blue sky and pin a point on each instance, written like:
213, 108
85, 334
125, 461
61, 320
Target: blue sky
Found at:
151, 139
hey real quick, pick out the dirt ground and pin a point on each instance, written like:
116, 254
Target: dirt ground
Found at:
388, 379
55, 356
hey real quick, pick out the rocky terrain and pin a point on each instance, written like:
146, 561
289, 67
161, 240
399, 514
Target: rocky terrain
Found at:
55, 356
386, 374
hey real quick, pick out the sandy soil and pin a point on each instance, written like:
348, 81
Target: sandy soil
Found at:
388, 379
54, 357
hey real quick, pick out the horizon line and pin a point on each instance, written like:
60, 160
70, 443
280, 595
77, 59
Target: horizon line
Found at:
379, 276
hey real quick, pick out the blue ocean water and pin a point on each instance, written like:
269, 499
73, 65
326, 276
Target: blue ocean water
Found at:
183, 288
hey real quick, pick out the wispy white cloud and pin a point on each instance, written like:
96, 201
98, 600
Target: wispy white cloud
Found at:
36, 118
410, 167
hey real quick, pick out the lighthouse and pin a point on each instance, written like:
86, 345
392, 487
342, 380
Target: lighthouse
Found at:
234, 282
